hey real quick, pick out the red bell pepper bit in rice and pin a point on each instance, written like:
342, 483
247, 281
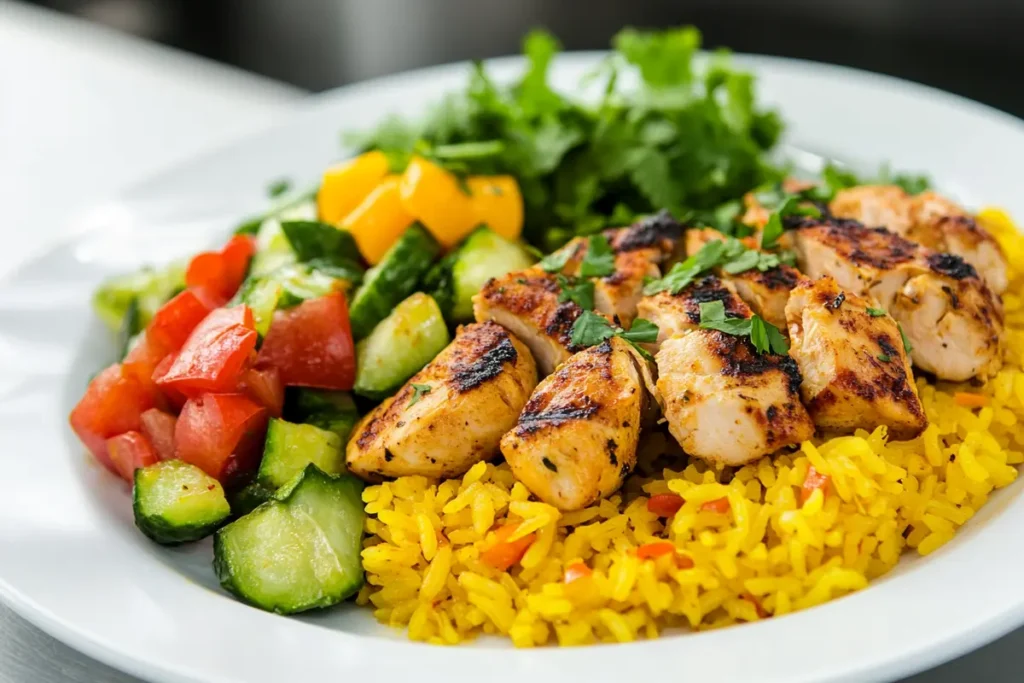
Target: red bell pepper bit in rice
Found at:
684, 562
719, 505
505, 553
815, 480
652, 551
576, 570
664, 504
970, 400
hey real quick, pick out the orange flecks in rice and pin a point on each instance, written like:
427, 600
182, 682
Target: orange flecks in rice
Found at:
778, 535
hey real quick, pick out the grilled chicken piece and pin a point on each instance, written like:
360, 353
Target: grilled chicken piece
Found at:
727, 404
952, 319
478, 385
639, 249
756, 215
676, 314
856, 374
576, 438
765, 292
929, 219
526, 303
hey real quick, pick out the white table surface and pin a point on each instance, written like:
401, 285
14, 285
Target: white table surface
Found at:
85, 112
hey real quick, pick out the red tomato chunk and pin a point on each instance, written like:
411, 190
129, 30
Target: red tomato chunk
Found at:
130, 451
158, 427
216, 276
222, 434
174, 322
112, 405
311, 345
264, 386
214, 355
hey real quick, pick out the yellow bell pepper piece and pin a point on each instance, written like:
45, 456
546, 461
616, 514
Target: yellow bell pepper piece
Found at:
378, 221
498, 204
345, 185
433, 196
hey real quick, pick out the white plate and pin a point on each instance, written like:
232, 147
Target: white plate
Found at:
71, 561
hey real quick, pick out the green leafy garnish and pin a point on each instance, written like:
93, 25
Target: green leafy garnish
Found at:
580, 292
765, 337
599, 261
686, 138
712, 254
555, 262
875, 312
418, 392
590, 329
907, 346
278, 188
884, 357
792, 205
837, 178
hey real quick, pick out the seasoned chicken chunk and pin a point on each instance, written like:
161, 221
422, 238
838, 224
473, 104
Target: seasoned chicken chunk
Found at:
727, 404
576, 438
766, 292
856, 374
929, 219
756, 215
477, 386
526, 303
675, 314
951, 318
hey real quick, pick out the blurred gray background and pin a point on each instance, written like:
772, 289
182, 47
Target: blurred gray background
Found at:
971, 47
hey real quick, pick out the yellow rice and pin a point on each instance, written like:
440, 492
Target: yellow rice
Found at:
769, 555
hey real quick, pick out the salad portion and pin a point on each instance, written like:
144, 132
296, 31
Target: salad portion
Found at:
571, 372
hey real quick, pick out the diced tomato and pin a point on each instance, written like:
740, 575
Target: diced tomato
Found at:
664, 504
311, 345
264, 386
215, 276
970, 400
576, 570
143, 359
651, 551
719, 505
222, 434
174, 322
112, 405
158, 427
215, 354
504, 553
130, 451
173, 398
813, 481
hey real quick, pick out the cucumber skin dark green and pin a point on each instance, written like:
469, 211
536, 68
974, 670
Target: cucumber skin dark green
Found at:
249, 498
168, 534
393, 279
225, 574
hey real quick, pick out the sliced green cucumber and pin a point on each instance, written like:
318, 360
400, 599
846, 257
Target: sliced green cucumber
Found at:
175, 502
249, 497
484, 254
334, 411
262, 296
393, 279
400, 346
297, 553
273, 250
290, 447
149, 288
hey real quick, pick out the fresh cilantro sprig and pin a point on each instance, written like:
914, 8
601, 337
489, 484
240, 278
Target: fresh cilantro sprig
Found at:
418, 392
875, 312
765, 337
590, 329
730, 254
599, 261
792, 205
580, 292
836, 178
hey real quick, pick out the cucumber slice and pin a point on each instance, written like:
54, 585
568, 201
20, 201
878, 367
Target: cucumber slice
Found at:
250, 497
262, 295
297, 553
334, 411
175, 502
400, 346
290, 447
149, 288
483, 255
393, 279
273, 250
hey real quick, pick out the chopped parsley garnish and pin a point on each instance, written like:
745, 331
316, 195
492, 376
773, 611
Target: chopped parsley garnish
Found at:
875, 312
580, 292
792, 205
590, 329
764, 336
418, 392
840, 178
278, 188
884, 357
599, 261
907, 346
554, 262
729, 253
